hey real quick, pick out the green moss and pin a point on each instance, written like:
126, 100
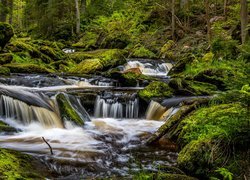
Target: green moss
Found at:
161, 176
6, 33
156, 89
5, 58
142, 52
4, 71
67, 111
166, 50
99, 60
6, 128
207, 132
88, 41
87, 66
52, 53
27, 68
15, 165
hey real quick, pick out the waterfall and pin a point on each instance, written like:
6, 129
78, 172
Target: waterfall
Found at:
112, 107
150, 69
16, 109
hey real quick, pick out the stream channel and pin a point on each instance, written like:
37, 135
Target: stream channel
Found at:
111, 141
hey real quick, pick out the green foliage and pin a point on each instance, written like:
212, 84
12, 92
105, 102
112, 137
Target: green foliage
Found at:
4, 71
225, 173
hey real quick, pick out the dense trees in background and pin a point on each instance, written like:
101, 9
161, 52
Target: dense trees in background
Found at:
63, 19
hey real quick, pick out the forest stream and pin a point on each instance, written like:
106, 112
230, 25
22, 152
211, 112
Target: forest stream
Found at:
111, 142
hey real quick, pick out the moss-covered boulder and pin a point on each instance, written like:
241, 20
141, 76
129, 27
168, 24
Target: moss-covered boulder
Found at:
4, 71
108, 57
67, 111
6, 33
5, 58
87, 66
5, 128
162, 176
27, 68
142, 52
15, 165
156, 89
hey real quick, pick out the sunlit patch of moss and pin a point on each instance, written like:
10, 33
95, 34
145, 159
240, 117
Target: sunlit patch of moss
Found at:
87, 66
15, 165
156, 89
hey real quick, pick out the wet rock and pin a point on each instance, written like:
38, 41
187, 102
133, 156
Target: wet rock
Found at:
6, 33
67, 111
181, 64
5, 128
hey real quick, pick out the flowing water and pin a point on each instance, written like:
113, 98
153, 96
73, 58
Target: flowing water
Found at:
111, 143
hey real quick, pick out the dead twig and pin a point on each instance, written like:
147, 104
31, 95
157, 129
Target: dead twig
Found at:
51, 150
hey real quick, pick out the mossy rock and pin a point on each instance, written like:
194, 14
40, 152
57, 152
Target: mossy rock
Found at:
53, 53
88, 41
63, 65
162, 176
6, 33
67, 111
180, 66
5, 58
191, 88
88, 66
15, 165
108, 57
156, 89
27, 68
5, 128
4, 71
142, 52
194, 158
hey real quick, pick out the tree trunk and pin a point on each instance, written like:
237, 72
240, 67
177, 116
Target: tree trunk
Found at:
3, 10
10, 5
244, 20
225, 8
173, 19
83, 6
208, 20
78, 20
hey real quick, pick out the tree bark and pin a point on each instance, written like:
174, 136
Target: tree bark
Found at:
225, 8
83, 6
78, 20
244, 20
3, 10
10, 5
173, 19
208, 20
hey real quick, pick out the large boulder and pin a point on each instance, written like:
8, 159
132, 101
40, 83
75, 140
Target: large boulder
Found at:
6, 33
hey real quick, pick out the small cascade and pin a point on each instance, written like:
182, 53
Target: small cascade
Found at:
115, 107
149, 68
155, 111
15, 109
